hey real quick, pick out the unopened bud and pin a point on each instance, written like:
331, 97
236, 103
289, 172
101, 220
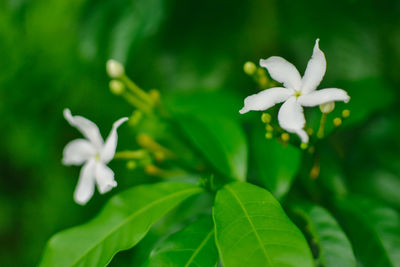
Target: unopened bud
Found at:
327, 107
115, 69
117, 87
269, 128
303, 146
249, 68
285, 137
266, 118
345, 113
131, 165
337, 122
268, 135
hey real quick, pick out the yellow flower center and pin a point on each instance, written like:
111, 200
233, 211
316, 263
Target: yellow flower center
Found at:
297, 94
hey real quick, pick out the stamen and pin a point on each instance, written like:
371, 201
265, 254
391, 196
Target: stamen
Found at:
297, 94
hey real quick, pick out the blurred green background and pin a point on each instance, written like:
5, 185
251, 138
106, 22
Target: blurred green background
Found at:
53, 54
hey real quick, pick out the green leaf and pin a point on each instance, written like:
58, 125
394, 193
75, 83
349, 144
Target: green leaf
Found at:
252, 229
276, 164
334, 249
123, 222
192, 246
361, 105
220, 139
374, 230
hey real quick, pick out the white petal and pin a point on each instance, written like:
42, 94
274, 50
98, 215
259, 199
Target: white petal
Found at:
266, 99
86, 127
291, 118
323, 96
85, 188
315, 70
282, 71
108, 150
104, 178
77, 152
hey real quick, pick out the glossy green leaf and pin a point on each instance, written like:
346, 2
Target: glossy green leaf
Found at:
333, 247
123, 222
192, 246
220, 139
252, 229
374, 230
360, 111
275, 164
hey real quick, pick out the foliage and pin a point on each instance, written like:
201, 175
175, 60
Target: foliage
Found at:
220, 193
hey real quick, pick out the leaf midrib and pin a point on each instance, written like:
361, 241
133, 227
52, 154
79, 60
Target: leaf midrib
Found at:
131, 217
251, 224
202, 244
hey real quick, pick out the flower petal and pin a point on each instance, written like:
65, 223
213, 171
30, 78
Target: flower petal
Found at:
282, 71
77, 152
104, 178
291, 118
323, 96
86, 127
108, 150
266, 99
85, 188
315, 70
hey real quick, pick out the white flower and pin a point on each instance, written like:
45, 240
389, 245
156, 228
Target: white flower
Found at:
297, 92
94, 154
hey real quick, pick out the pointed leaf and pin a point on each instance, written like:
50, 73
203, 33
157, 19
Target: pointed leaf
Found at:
192, 246
220, 139
252, 229
123, 222
334, 249
374, 230
275, 163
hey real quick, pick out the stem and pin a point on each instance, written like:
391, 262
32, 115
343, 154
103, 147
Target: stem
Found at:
131, 154
150, 144
137, 90
320, 133
138, 103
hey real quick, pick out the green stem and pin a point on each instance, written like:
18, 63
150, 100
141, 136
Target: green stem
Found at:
131, 154
136, 90
321, 130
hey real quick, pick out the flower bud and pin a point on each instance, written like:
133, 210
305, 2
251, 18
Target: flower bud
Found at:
268, 135
327, 107
249, 68
266, 118
117, 87
285, 137
303, 146
269, 128
337, 122
115, 69
345, 113
131, 165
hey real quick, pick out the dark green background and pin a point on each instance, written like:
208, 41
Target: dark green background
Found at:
53, 54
